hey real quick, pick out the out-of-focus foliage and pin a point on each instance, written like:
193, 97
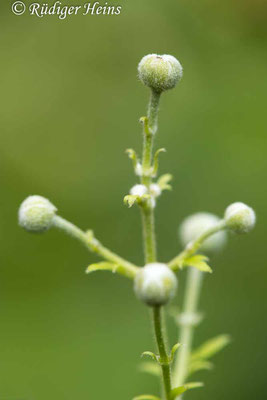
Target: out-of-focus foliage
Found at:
70, 104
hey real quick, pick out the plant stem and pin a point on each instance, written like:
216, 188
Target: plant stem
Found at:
195, 245
164, 359
192, 294
147, 209
149, 234
150, 128
88, 239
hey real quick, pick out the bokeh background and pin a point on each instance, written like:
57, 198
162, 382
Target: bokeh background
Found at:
70, 104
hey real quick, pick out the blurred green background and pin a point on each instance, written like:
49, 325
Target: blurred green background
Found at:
70, 104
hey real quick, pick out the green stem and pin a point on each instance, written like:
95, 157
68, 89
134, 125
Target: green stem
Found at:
93, 244
147, 209
195, 245
149, 234
192, 294
150, 128
153, 109
164, 359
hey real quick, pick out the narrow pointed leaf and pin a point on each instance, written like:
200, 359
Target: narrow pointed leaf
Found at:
163, 182
128, 272
102, 266
198, 261
132, 155
174, 349
211, 347
149, 354
199, 365
156, 160
181, 389
130, 200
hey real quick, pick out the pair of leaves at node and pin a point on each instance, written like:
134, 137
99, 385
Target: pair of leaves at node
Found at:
174, 393
151, 367
115, 268
163, 183
157, 358
199, 359
131, 199
198, 261
152, 172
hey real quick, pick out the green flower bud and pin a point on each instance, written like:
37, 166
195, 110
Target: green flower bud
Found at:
196, 224
36, 214
155, 284
160, 72
240, 218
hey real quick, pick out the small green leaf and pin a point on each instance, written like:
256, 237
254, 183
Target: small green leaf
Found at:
146, 397
128, 272
150, 354
199, 365
156, 161
130, 199
102, 266
132, 155
173, 350
181, 389
163, 182
150, 368
136, 163
210, 347
198, 261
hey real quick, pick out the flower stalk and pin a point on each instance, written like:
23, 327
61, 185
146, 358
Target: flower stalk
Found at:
88, 239
192, 294
195, 245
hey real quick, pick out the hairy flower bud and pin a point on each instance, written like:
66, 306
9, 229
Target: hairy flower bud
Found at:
239, 217
138, 190
155, 284
160, 72
36, 214
196, 224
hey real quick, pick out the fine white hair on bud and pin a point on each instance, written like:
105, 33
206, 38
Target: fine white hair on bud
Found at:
160, 72
155, 189
239, 217
36, 214
194, 225
138, 190
155, 284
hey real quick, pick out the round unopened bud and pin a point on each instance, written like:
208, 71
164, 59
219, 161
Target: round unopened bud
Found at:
138, 190
194, 225
36, 214
239, 217
155, 284
160, 72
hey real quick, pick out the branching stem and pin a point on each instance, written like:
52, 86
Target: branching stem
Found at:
88, 239
195, 245
191, 299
